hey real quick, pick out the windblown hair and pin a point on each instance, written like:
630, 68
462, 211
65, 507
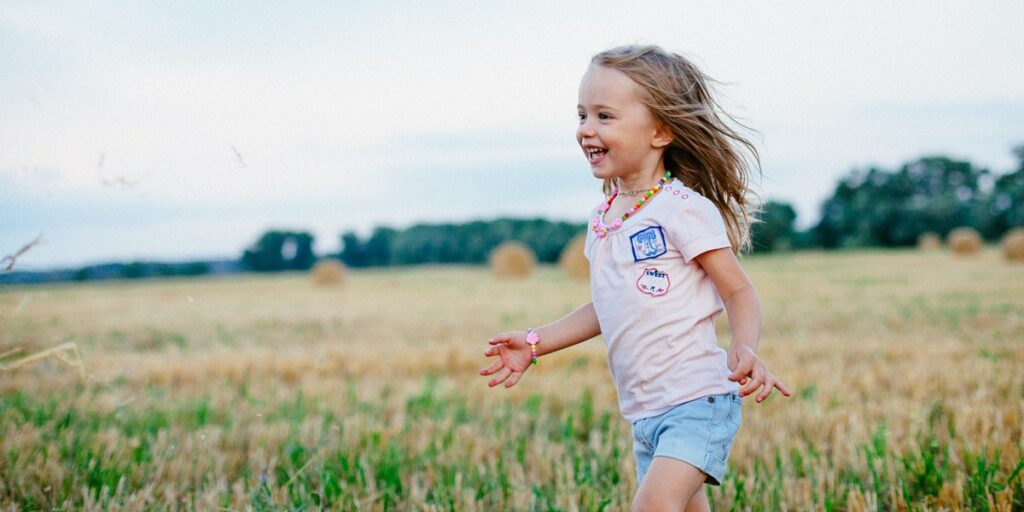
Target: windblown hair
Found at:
706, 153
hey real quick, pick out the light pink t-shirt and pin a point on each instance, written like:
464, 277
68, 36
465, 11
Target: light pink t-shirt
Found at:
657, 306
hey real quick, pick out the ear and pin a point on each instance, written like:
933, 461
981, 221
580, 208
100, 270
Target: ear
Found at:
662, 136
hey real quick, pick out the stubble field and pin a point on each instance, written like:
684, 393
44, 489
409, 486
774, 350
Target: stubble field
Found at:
265, 392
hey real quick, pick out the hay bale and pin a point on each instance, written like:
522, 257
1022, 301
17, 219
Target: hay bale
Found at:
929, 241
964, 241
1013, 245
573, 262
512, 259
328, 272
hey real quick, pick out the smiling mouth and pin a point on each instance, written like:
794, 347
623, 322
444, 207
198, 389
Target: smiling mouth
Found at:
595, 155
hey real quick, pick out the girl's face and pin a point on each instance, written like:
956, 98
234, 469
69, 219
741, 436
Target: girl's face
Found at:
618, 133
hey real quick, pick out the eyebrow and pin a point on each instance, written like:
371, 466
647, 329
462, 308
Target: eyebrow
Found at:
599, 106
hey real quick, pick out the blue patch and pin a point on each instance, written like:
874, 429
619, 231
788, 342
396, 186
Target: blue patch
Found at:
648, 243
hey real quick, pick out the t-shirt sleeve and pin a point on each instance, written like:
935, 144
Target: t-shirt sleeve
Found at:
697, 227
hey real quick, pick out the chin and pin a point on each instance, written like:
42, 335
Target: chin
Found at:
600, 173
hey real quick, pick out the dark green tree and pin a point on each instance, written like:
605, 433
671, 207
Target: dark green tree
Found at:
277, 251
195, 268
1005, 205
353, 251
882, 208
775, 231
134, 270
378, 247
470, 242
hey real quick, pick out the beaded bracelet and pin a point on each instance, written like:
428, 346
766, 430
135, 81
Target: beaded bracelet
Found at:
533, 339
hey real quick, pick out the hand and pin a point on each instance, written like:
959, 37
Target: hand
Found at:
513, 358
751, 373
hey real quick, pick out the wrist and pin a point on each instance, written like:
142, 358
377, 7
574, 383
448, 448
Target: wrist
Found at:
738, 346
532, 339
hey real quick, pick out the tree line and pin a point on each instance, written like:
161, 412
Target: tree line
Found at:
469, 242
873, 207
892, 208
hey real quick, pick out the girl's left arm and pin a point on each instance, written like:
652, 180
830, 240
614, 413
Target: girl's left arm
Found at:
744, 313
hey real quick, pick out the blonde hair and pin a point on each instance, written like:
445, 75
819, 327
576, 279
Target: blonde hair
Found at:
706, 153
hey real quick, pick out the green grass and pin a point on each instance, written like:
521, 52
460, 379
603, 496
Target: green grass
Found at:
266, 393
325, 474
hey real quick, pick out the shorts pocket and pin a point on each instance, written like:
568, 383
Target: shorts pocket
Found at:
639, 435
735, 416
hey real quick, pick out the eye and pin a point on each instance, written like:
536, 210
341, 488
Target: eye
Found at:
603, 116
581, 116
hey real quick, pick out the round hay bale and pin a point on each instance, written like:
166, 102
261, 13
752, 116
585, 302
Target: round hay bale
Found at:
1013, 245
328, 272
964, 241
929, 241
512, 259
573, 262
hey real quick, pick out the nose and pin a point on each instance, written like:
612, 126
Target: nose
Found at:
584, 130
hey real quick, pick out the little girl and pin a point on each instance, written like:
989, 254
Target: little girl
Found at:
662, 249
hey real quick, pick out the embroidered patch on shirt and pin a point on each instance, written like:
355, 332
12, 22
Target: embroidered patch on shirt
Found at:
648, 243
653, 282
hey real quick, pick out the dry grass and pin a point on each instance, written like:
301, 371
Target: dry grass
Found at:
201, 389
66, 353
512, 259
8, 262
929, 241
328, 272
1013, 245
964, 241
573, 262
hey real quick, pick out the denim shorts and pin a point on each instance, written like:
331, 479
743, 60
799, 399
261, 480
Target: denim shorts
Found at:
699, 432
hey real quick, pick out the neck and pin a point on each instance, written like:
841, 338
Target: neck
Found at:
641, 180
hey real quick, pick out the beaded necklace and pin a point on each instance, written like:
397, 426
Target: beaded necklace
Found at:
601, 229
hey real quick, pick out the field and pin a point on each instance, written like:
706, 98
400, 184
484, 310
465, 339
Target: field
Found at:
266, 392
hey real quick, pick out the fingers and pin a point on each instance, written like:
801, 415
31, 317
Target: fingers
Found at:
771, 383
493, 351
782, 388
755, 382
495, 366
501, 339
768, 387
743, 368
502, 375
513, 379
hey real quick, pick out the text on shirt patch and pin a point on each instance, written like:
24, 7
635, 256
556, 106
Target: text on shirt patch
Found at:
653, 282
648, 243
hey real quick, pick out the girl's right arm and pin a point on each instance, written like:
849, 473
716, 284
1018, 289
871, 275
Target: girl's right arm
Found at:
514, 353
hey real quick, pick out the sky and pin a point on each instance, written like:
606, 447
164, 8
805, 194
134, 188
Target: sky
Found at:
181, 130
